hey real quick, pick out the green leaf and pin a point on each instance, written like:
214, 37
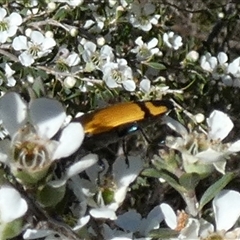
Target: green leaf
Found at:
166, 176
60, 14
11, 229
155, 65
189, 180
163, 233
214, 189
3, 77
50, 196
38, 87
151, 172
30, 178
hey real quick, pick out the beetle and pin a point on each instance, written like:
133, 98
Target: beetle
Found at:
106, 125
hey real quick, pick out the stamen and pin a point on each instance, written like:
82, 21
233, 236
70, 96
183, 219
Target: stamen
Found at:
34, 50
3, 26
30, 155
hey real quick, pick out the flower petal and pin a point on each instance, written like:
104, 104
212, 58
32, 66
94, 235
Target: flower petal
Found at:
235, 147
129, 85
153, 43
15, 19
139, 41
145, 85
47, 115
3, 13
220, 166
125, 174
222, 57
109, 233
13, 112
12, 205
129, 221
80, 166
74, 169
191, 230
103, 212
110, 82
220, 125
209, 156
153, 220
70, 140
81, 223
48, 43
20, 43
37, 37
176, 126
169, 215
36, 234
26, 59
226, 208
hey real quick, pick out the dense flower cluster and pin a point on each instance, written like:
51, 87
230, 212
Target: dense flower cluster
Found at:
62, 57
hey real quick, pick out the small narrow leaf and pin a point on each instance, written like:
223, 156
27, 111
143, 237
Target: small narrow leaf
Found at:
166, 176
163, 233
3, 77
214, 189
151, 172
189, 180
155, 65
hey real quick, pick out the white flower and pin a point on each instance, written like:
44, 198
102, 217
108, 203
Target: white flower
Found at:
143, 16
66, 57
73, 59
117, 74
188, 228
65, 60
219, 127
220, 69
33, 8
8, 25
145, 51
80, 212
205, 148
37, 47
69, 82
234, 70
131, 221
145, 85
192, 56
11, 81
97, 25
172, 40
99, 22
32, 127
70, 58
94, 58
116, 187
234, 67
214, 64
226, 210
